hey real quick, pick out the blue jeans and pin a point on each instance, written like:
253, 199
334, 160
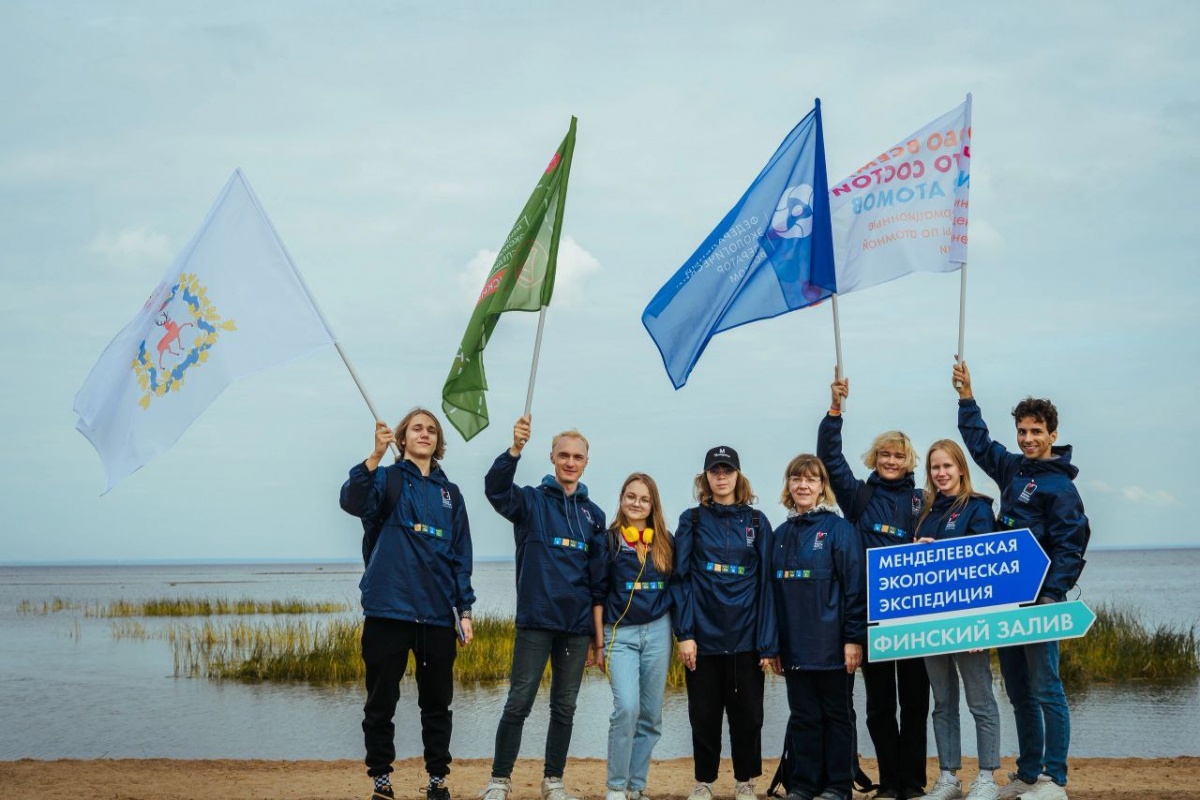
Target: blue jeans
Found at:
567, 654
1040, 708
976, 672
638, 657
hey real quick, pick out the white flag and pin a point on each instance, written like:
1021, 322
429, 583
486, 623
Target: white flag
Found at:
906, 210
231, 304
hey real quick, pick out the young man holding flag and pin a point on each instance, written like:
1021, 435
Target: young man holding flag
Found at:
556, 528
1037, 491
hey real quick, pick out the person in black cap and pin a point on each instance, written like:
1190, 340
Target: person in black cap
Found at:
721, 544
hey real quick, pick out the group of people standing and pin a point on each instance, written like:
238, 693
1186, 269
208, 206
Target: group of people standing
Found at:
738, 597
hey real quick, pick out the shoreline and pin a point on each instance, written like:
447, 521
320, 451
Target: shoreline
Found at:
251, 779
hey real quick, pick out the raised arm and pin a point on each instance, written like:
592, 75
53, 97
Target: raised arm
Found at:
363, 490
507, 498
991, 456
829, 449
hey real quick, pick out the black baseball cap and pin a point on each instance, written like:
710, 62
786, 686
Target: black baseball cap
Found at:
722, 455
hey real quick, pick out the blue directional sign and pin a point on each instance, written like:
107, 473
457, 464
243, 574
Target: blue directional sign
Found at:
960, 574
962, 632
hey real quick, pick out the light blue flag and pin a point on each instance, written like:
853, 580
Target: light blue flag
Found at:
771, 254
231, 304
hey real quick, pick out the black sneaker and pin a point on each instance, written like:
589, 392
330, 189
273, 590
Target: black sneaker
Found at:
383, 793
439, 792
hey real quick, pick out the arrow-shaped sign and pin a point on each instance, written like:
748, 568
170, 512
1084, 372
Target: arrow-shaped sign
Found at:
962, 632
960, 574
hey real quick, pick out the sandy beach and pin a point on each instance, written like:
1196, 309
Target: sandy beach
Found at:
166, 779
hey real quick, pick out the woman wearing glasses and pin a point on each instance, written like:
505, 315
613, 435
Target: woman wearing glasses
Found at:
633, 630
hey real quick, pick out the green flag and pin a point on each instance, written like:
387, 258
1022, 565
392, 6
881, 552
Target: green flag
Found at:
521, 279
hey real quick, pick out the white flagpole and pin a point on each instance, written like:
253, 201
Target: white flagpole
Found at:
837, 344
316, 307
962, 314
537, 350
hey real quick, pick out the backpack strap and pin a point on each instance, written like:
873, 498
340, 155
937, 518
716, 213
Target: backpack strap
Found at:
861, 500
391, 498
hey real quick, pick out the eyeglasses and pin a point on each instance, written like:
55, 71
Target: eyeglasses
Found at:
721, 469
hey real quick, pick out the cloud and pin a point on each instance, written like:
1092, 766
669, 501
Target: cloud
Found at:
576, 267
1135, 494
135, 247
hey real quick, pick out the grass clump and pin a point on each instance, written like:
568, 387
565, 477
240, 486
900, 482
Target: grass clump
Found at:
208, 607
1120, 648
46, 606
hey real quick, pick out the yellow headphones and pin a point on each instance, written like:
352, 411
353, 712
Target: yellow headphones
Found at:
633, 536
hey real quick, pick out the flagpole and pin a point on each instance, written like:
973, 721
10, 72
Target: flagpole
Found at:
960, 356
837, 344
537, 351
316, 307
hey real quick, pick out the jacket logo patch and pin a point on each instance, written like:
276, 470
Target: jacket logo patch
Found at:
1028, 491
792, 574
428, 530
953, 521
572, 544
731, 569
644, 586
916, 504
588, 514
446, 501
819, 542
891, 530
751, 535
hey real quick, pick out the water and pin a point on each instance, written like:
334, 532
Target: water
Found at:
69, 690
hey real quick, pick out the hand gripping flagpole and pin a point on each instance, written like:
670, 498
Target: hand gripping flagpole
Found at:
316, 307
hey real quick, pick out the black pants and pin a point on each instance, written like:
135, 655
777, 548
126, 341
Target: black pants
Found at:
901, 749
821, 731
726, 685
385, 647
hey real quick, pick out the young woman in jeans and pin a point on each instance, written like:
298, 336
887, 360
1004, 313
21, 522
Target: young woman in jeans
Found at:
633, 630
953, 509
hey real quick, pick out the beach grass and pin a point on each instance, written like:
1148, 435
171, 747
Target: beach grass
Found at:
183, 607
211, 606
1119, 648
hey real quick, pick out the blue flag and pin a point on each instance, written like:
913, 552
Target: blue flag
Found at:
771, 254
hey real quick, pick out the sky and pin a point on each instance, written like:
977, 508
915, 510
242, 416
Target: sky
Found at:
393, 144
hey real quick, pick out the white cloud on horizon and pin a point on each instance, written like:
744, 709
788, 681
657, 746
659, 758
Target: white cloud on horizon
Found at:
132, 248
1135, 494
576, 267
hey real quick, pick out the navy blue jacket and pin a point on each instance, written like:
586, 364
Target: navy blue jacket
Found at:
890, 515
554, 533
815, 600
718, 578
620, 581
420, 569
1039, 495
973, 517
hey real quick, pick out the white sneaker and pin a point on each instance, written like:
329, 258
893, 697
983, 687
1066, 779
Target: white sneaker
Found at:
1014, 788
497, 789
983, 790
945, 789
636, 794
552, 789
744, 790
703, 791
1045, 789
615, 794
